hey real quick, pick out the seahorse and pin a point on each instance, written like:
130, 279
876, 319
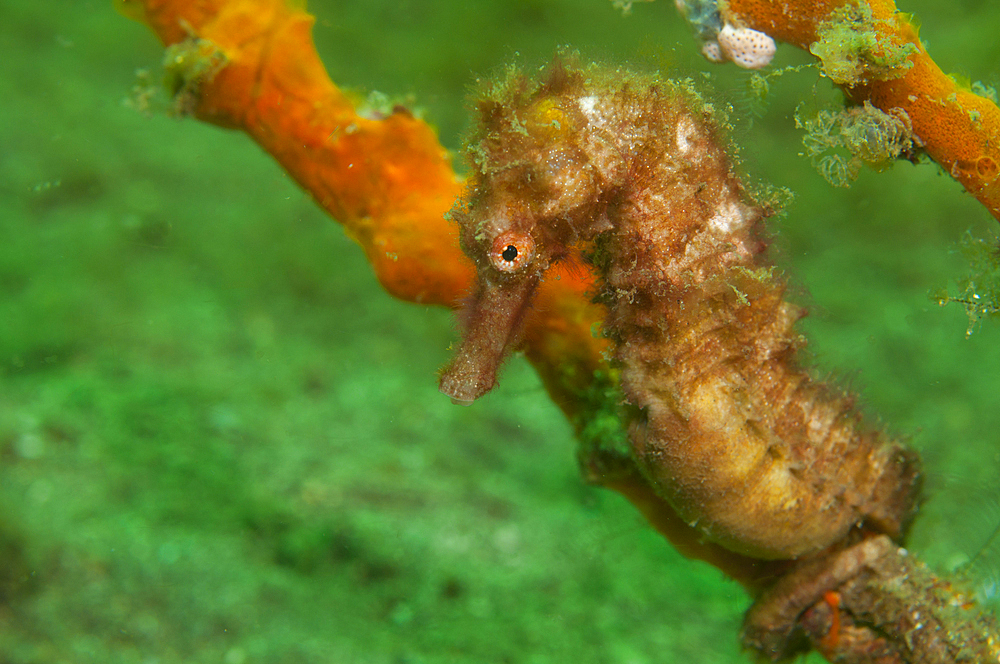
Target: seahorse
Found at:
729, 428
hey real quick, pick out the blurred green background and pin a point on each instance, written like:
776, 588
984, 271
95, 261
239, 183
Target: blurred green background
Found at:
220, 441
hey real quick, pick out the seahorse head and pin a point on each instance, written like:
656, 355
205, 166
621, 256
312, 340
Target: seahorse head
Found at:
534, 192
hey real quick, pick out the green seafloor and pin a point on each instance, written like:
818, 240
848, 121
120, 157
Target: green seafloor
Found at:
221, 441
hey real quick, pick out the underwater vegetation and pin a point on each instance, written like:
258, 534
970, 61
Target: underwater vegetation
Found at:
217, 430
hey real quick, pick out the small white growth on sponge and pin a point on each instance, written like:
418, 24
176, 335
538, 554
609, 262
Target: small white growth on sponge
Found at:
712, 52
750, 49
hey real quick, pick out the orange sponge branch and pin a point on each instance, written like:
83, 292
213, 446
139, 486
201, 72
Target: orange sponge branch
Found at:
958, 129
387, 180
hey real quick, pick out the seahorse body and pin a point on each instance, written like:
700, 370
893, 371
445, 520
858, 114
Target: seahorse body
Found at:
744, 444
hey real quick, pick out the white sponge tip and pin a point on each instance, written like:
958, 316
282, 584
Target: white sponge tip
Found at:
750, 49
712, 52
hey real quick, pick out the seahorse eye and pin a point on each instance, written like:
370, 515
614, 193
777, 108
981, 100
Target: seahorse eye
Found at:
511, 251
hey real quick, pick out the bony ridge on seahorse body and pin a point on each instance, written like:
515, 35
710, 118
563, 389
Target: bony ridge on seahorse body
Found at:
742, 441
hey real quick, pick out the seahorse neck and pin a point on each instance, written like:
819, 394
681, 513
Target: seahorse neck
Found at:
680, 220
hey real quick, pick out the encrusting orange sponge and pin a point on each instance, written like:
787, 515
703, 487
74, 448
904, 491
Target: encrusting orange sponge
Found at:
958, 129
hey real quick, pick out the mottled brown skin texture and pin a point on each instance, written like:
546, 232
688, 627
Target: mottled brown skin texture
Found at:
742, 441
